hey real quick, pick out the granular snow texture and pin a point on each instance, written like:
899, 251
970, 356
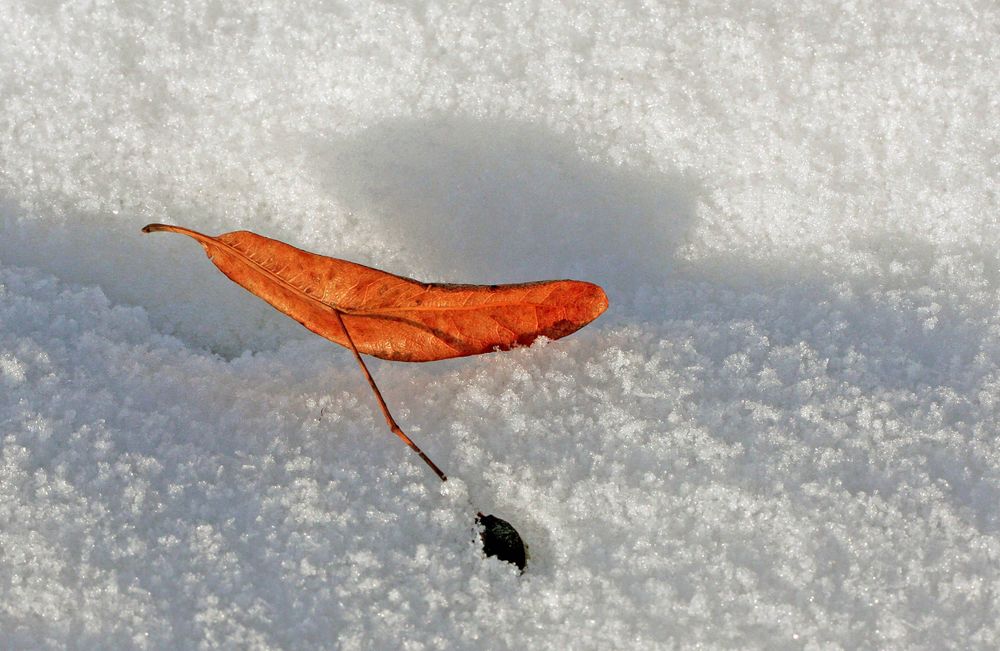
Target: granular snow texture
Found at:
782, 434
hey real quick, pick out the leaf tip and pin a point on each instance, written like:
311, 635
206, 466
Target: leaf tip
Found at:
601, 300
149, 228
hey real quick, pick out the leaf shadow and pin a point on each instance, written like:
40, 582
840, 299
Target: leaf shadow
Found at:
495, 201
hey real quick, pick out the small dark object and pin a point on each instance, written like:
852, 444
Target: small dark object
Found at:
502, 540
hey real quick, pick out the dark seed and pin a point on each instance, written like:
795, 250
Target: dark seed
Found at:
502, 540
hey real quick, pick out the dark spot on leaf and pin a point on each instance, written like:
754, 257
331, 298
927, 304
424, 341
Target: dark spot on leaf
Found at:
561, 329
500, 539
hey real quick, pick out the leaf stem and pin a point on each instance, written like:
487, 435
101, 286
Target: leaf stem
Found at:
393, 426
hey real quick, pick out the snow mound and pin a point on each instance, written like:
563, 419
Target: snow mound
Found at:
782, 434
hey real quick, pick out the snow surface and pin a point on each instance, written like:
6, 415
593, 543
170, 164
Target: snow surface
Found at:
783, 433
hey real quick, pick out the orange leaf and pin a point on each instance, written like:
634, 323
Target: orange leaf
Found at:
392, 317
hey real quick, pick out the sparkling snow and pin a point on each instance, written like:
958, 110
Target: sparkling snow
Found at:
782, 434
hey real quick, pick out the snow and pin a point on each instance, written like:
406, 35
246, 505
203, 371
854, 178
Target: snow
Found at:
782, 434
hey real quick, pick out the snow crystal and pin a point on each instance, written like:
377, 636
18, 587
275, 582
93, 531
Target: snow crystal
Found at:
782, 434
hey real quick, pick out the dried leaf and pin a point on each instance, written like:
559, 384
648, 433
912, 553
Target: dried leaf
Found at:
392, 317
396, 318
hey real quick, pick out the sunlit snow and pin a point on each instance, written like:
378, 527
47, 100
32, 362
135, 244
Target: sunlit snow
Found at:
782, 434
